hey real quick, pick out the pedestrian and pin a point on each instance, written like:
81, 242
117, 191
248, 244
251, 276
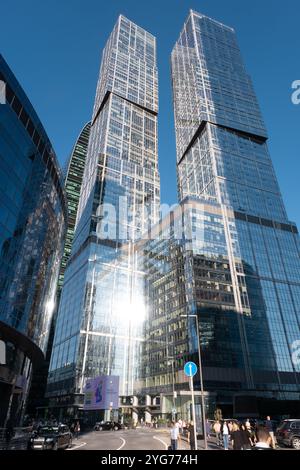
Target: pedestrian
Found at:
180, 424
207, 428
184, 427
225, 433
77, 429
174, 436
246, 437
237, 437
270, 428
248, 425
263, 439
191, 435
217, 430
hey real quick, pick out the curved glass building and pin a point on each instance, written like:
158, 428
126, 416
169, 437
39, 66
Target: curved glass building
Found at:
73, 182
33, 215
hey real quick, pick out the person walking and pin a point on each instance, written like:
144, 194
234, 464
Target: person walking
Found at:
207, 428
77, 429
174, 436
245, 437
236, 437
217, 430
191, 435
270, 429
180, 424
225, 433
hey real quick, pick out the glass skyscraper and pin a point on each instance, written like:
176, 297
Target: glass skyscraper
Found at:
73, 175
236, 264
33, 215
223, 158
97, 330
73, 182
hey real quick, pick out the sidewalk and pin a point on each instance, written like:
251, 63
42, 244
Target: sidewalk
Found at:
184, 445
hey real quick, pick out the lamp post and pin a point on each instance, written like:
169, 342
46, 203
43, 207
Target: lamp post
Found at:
171, 358
201, 379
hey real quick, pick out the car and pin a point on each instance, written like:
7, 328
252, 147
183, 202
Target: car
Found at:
108, 426
51, 438
288, 433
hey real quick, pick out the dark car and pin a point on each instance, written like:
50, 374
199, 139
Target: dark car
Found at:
51, 438
288, 433
108, 426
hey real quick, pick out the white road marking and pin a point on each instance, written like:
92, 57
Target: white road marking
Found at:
158, 439
123, 444
77, 447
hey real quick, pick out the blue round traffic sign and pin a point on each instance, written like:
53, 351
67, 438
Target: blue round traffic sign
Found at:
190, 369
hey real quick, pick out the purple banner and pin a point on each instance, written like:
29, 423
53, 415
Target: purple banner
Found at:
102, 393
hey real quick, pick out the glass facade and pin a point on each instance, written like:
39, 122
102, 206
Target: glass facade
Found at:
32, 228
101, 309
236, 266
73, 182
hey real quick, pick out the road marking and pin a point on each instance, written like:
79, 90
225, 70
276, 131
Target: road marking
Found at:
158, 439
123, 444
77, 447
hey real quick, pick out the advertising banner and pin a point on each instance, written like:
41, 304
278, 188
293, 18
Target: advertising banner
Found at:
102, 393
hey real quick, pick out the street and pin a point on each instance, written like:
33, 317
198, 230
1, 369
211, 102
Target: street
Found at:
139, 439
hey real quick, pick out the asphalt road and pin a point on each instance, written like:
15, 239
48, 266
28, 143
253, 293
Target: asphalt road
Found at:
139, 439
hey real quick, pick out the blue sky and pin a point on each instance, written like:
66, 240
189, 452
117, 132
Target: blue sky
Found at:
54, 49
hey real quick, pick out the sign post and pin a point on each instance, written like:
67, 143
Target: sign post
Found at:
190, 369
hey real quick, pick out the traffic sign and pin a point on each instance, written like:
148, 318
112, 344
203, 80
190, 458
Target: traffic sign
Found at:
174, 411
190, 369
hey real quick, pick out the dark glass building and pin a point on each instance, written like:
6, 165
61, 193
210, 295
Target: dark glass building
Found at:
33, 216
37, 402
73, 182
236, 265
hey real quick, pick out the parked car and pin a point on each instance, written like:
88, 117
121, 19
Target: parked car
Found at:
288, 433
108, 426
51, 438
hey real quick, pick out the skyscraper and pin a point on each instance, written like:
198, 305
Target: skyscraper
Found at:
223, 159
235, 264
33, 215
73, 182
97, 331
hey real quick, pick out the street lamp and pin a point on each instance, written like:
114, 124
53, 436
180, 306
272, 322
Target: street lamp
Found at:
171, 358
201, 379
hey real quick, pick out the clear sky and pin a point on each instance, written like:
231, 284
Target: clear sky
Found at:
54, 49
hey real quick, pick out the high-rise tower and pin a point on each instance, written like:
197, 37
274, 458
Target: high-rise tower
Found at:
235, 264
33, 218
73, 182
102, 302
223, 160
